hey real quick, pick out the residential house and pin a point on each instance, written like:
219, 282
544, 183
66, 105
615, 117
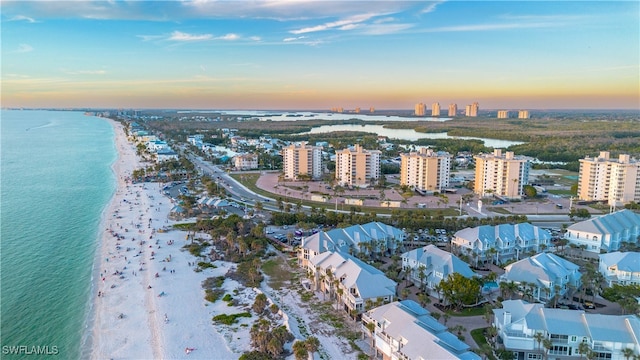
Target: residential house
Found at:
404, 330
500, 243
352, 282
435, 265
621, 268
367, 238
544, 274
605, 232
606, 335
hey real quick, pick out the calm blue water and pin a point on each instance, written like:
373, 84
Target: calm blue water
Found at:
56, 179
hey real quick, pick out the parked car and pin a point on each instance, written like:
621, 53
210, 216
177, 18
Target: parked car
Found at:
589, 305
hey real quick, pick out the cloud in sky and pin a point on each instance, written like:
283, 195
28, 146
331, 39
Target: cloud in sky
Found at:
344, 24
22, 18
229, 37
181, 36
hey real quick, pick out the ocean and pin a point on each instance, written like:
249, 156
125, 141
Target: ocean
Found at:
56, 180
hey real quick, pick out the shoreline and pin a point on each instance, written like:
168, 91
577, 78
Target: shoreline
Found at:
146, 299
88, 336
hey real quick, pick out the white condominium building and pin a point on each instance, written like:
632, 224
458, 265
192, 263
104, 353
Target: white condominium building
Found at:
616, 181
357, 166
501, 174
435, 109
420, 109
302, 160
472, 110
453, 109
425, 170
523, 114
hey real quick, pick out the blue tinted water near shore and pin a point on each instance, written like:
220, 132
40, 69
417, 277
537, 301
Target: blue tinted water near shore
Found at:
56, 180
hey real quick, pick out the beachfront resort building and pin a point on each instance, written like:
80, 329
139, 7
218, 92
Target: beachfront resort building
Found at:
622, 268
404, 330
472, 110
420, 109
615, 181
353, 283
453, 110
245, 161
357, 167
500, 243
301, 160
605, 232
605, 335
425, 170
373, 237
435, 109
428, 265
501, 175
503, 114
544, 275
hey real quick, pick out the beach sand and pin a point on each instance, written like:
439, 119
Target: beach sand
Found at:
137, 315
129, 317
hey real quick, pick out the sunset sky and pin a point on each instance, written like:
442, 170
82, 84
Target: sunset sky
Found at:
293, 54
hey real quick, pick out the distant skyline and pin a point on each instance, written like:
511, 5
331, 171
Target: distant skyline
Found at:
298, 54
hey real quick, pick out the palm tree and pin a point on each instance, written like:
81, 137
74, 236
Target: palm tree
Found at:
547, 344
312, 344
538, 336
583, 349
300, 350
372, 327
627, 353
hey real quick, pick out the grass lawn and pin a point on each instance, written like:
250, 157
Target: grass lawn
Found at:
479, 338
467, 312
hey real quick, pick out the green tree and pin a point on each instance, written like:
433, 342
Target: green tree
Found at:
458, 290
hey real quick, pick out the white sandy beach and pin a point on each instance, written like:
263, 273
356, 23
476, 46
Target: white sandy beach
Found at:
130, 318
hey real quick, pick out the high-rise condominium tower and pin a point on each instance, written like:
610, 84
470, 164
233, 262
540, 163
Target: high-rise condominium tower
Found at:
425, 170
502, 175
523, 114
616, 181
357, 167
453, 109
472, 110
302, 160
435, 109
503, 114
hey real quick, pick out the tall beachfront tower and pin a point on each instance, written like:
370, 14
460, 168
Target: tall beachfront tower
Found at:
435, 109
301, 159
425, 170
420, 109
357, 167
523, 114
472, 110
501, 174
453, 109
616, 181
